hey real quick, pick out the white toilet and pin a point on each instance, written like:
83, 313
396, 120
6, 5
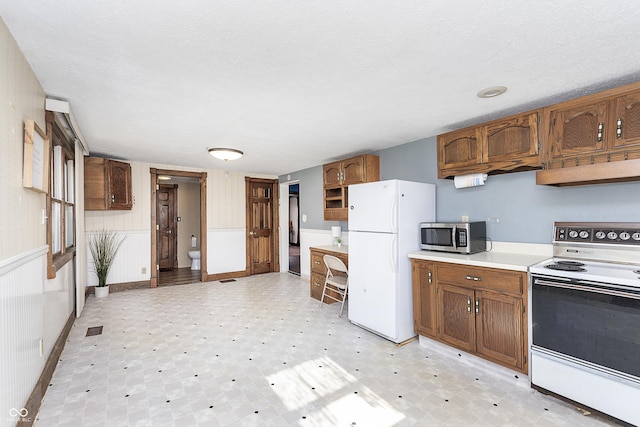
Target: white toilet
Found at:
195, 259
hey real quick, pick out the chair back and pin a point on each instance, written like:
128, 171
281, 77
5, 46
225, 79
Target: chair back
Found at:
334, 264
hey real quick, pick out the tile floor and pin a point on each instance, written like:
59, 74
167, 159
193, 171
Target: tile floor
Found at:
260, 352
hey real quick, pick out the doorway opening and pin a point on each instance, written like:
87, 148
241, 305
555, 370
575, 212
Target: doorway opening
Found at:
178, 225
294, 229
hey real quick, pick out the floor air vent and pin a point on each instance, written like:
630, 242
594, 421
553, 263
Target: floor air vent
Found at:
95, 330
227, 280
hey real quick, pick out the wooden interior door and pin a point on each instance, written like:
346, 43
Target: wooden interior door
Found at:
262, 241
167, 227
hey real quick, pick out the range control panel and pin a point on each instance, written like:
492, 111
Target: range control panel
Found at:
611, 233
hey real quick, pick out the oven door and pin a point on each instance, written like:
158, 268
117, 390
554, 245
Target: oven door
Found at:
586, 342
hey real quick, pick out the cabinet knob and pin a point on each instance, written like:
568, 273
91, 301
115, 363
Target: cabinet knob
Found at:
468, 304
619, 128
477, 305
600, 131
475, 279
113, 198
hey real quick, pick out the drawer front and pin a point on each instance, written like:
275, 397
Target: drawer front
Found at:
316, 284
317, 264
482, 278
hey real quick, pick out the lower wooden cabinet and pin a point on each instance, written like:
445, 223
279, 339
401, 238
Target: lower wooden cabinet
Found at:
424, 294
318, 270
478, 310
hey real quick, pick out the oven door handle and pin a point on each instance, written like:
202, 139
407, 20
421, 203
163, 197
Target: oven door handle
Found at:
585, 287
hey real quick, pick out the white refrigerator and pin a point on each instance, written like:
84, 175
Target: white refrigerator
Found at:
384, 222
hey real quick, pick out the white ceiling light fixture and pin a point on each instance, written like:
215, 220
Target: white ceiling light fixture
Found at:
492, 92
164, 178
225, 154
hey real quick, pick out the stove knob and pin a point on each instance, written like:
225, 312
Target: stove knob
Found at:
573, 234
584, 234
600, 235
635, 236
625, 236
612, 235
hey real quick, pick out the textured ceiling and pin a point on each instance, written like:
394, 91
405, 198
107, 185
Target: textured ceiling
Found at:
297, 83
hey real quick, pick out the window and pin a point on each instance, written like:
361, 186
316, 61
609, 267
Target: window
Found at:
61, 210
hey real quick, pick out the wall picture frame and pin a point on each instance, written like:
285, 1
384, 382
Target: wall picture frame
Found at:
35, 172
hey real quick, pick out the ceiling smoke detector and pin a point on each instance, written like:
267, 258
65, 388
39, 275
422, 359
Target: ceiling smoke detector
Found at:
492, 92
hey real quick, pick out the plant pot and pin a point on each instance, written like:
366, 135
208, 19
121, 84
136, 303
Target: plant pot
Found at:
102, 291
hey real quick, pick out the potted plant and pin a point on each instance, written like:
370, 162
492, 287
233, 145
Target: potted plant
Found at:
104, 245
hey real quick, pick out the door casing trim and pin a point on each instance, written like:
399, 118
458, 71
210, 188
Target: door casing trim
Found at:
202, 177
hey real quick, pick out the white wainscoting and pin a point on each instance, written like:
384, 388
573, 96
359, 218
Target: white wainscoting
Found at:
226, 250
133, 256
313, 237
21, 328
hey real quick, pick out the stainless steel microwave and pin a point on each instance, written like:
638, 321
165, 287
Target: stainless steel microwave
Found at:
461, 237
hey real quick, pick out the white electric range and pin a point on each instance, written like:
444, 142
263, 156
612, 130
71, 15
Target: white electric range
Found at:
585, 317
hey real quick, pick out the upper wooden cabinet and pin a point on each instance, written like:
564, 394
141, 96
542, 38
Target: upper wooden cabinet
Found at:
107, 184
337, 177
600, 133
507, 144
577, 129
626, 120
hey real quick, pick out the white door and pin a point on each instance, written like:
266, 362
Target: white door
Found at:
373, 207
372, 282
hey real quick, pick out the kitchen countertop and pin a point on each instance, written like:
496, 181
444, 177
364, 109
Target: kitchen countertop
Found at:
503, 255
332, 248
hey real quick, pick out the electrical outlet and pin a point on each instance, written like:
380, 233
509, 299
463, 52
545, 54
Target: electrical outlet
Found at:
465, 218
143, 270
494, 220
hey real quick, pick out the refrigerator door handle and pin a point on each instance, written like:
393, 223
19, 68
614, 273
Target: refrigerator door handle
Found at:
394, 254
394, 215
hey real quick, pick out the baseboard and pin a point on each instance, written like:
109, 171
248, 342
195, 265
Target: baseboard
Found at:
222, 276
35, 399
119, 287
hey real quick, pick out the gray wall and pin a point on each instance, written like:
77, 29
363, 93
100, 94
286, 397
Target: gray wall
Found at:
310, 198
515, 208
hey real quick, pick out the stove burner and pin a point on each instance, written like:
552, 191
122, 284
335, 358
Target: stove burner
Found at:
563, 266
576, 263
636, 271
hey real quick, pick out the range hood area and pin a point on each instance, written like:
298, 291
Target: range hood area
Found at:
600, 173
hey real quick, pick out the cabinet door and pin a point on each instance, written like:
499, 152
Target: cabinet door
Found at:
456, 320
460, 148
119, 175
95, 188
499, 328
512, 139
626, 120
424, 298
332, 174
579, 130
353, 171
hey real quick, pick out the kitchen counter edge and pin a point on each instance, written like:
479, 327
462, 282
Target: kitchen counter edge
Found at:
504, 255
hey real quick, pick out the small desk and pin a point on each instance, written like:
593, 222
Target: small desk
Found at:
319, 271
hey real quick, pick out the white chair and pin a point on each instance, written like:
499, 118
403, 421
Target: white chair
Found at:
337, 280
